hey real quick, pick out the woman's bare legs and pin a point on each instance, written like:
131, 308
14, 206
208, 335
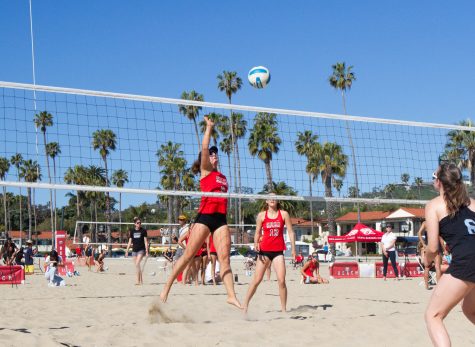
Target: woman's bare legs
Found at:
279, 267
197, 237
138, 269
261, 267
448, 293
222, 242
468, 305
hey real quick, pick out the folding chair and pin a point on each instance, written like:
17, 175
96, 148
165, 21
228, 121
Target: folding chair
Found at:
432, 274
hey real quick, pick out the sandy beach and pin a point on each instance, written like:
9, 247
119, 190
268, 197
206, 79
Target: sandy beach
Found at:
107, 309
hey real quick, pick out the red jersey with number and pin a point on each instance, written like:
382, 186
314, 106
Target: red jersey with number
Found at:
215, 182
311, 268
273, 234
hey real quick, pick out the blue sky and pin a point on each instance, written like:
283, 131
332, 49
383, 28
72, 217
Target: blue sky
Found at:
412, 60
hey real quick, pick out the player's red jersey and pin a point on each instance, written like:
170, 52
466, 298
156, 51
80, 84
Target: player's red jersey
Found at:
311, 268
273, 234
215, 182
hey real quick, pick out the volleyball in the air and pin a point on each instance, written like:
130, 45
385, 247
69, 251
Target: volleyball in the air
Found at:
259, 77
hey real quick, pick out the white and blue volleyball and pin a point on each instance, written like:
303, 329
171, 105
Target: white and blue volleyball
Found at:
259, 77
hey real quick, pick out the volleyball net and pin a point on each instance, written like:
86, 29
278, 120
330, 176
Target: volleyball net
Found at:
125, 144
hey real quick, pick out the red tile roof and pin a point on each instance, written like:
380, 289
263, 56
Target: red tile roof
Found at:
364, 216
418, 212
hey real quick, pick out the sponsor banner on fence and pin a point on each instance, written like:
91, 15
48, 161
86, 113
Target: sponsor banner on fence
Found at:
345, 270
12, 274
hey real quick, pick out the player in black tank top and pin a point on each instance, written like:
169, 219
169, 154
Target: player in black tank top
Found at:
451, 216
459, 234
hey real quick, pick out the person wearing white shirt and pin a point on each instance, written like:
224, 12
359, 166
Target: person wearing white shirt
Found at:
388, 245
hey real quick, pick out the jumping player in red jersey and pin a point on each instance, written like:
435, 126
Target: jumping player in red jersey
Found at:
211, 219
271, 246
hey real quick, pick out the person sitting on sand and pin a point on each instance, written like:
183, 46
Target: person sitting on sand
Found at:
53, 260
311, 271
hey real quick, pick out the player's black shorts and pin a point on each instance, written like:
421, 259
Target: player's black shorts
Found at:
213, 221
271, 255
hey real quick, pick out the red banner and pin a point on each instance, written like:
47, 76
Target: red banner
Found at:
12, 274
413, 270
345, 270
67, 267
61, 244
390, 273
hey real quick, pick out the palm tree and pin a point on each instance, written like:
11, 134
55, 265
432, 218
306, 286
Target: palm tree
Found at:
17, 161
42, 121
171, 160
418, 182
304, 145
52, 150
96, 176
460, 148
405, 179
264, 140
281, 188
342, 79
192, 112
229, 82
119, 178
4, 167
216, 118
30, 171
105, 141
389, 189
329, 162
77, 176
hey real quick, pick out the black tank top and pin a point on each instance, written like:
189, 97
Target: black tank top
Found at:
459, 234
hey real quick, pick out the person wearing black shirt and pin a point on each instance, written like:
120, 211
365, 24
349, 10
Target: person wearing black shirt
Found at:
452, 216
29, 269
138, 241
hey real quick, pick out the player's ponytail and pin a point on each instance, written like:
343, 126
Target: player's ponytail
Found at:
455, 192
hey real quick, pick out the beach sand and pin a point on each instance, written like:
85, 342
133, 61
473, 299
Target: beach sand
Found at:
107, 309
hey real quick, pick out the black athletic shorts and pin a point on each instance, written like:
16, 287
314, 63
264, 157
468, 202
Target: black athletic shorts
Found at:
271, 255
213, 253
212, 221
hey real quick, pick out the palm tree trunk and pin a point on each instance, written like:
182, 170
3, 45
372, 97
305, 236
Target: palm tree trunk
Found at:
241, 228
350, 139
21, 220
268, 174
120, 217
330, 210
53, 231
28, 201
472, 168
55, 213
5, 209
197, 135
95, 219
311, 202
108, 210
33, 205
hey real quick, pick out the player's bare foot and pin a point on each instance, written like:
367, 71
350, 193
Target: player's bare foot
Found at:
234, 301
163, 297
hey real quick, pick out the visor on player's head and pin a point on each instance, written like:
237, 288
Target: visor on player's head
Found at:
213, 149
